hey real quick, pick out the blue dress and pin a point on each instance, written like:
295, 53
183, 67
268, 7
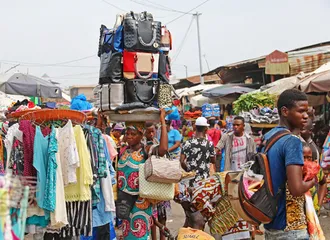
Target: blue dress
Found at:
50, 194
40, 163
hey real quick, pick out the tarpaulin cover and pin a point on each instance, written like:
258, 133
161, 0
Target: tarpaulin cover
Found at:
226, 90
28, 85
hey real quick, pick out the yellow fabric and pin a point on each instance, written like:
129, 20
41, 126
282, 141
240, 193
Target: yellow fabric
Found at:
193, 234
313, 191
80, 191
314, 228
115, 139
295, 212
4, 211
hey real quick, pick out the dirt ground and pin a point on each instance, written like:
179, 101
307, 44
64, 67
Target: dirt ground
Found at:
176, 220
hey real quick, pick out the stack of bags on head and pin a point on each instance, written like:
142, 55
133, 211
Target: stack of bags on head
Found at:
135, 67
210, 110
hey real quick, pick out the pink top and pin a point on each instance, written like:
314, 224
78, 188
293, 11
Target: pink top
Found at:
28, 140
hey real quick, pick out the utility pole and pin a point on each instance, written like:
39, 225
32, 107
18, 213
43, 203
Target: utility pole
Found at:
199, 48
186, 67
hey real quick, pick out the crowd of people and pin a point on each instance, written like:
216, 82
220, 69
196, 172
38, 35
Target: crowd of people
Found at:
203, 146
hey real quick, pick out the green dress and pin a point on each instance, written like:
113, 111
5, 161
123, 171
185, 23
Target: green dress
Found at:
138, 226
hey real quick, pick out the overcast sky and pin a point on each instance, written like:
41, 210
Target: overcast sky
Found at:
37, 33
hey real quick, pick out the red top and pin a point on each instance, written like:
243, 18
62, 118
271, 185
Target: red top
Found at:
215, 135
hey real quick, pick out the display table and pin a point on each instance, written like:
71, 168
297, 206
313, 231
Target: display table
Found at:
138, 116
263, 125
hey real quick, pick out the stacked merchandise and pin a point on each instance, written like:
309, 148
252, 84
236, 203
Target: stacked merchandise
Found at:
135, 67
210, 110
192, 115
20, 106
262, 115
257, 107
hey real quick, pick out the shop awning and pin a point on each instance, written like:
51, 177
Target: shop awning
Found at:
195, 89
199, 100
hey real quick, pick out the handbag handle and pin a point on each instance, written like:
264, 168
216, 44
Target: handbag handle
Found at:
167, 153
154, 36
137, 71
137, 94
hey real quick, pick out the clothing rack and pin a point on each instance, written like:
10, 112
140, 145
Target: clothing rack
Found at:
47, 115
14, 196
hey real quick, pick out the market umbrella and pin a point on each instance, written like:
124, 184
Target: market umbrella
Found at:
199, 100
28, 85
316, 82
226, 91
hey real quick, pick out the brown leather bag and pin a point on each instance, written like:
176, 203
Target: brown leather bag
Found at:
261, 208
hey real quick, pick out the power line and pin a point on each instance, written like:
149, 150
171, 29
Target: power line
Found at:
187, 12
160, 7
76, 60
183, 41
59, 64
114, 6
77, 74
45, 65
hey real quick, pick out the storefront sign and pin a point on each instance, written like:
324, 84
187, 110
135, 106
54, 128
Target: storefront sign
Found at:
277, 63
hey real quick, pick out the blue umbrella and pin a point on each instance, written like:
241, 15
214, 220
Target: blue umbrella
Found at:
225, 91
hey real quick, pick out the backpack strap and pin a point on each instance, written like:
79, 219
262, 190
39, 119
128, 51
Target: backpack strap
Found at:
271, 141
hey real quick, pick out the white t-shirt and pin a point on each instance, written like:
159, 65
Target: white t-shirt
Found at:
68, 153
238, 153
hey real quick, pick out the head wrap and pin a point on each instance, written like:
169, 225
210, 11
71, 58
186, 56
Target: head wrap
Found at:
138, 126
118, 127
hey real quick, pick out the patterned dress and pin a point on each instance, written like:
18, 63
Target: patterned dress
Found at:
139, 224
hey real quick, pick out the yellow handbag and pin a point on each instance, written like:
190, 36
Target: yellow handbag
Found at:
152, 190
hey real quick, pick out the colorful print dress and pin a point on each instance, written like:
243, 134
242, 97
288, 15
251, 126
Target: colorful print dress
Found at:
139, 224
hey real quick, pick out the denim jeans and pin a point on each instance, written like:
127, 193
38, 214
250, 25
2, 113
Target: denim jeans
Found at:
286, 235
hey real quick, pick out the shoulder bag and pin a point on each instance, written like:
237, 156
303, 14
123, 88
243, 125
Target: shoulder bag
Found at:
111, 68
141, 33
153, 190
124, 204
139, 65
111, 96
144, 91
165, 95
166, 40
162, 169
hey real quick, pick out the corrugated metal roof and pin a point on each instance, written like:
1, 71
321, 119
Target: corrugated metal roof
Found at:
209, 78
305, 59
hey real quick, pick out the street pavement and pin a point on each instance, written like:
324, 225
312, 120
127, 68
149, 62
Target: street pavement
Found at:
176, 220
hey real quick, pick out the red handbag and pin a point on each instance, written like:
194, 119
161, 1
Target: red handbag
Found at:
140, 65
166, 40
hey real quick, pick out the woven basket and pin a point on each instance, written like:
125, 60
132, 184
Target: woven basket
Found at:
45, 115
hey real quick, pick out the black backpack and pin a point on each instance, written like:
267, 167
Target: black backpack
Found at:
261, 208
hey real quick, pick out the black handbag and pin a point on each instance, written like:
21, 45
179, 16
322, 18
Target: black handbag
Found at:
111, 68
105, 40
164, 69
144, 91
141, 34
124, 204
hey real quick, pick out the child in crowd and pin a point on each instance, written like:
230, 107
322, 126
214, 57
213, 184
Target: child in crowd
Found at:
317, 194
